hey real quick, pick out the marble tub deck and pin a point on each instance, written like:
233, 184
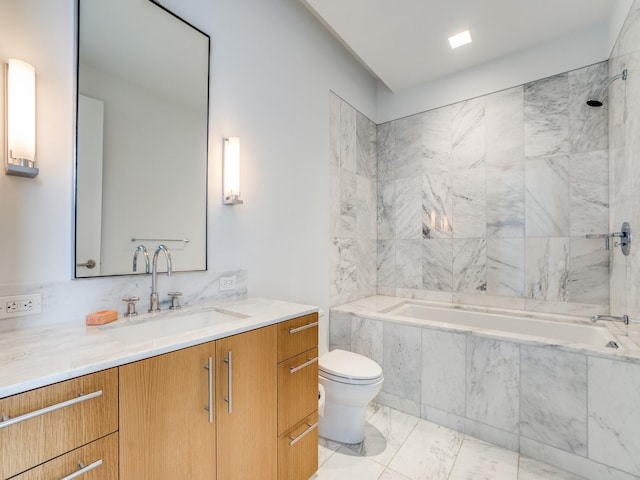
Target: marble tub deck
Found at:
399, 446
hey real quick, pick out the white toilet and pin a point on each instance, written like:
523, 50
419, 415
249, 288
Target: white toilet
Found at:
350, 382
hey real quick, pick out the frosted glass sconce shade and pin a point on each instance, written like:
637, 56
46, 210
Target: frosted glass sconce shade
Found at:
20, 120
231, 171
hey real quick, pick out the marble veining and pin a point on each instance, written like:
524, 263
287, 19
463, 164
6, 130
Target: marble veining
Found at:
589, 192
470, 265
469, 194
401, 353
547, 197
436, 141
505, 196
547, 268
437, 206
407, 208
588, 126
505, 266
468, 134
437, 264
504, 117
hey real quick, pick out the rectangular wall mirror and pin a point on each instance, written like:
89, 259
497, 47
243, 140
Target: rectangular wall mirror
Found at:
142, 126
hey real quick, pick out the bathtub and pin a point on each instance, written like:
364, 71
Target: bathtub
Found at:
570, 331
549, 386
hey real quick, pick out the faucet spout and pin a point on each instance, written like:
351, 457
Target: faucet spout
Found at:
624, 318
154, 303
141, 248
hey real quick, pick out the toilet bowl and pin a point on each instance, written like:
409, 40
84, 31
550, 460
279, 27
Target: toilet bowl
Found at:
350, 382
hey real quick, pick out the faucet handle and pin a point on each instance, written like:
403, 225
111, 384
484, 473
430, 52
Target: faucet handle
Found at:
175, 300
131, 306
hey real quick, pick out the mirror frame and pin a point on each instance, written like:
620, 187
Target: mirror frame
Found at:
76, 94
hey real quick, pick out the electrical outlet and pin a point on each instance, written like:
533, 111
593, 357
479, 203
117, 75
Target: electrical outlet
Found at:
227, 283
20, 305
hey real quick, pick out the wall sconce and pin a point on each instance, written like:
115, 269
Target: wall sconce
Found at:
20, 118
231, 172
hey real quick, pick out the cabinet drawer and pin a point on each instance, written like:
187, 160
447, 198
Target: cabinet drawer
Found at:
298, 450
56, 419
99, 460
297, 335
297, 389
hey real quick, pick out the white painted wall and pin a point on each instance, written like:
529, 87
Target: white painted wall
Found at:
272, 68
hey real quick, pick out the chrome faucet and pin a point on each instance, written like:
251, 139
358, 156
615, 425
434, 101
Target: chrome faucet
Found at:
154, 305
624, 318
141, 248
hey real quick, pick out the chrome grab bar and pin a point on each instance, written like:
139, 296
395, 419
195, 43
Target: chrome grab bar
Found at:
304, 327
229, 398
305, 364
183, 240
303, 434
209, 408
7, 422
83, 470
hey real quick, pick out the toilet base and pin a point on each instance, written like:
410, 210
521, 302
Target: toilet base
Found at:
343, 423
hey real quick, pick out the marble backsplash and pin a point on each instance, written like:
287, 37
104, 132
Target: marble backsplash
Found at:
486, 201
70, 301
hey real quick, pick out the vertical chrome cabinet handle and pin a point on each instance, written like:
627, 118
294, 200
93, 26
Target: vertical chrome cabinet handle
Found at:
209, 408
83, 470
229, 398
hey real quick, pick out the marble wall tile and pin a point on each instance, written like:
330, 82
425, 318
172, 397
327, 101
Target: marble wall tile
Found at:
547, 269
546, 116
402, 361
547, 197
398, 402
339, 330
366, 338
386, 151
343, 273
408, 264
408, 145
588, 272
469, 194
436, 141
444, 370
408, 208
629, 37
468, 134
335, 104
386, 210
366, 266
589, 192
493, 381
529, 469
437, 264
470, 265
366, 156
553, 398
365, 208
334, 200
386, 263
485, 300
588, 126
614, 417
504, 123
505, 200
348, 137
348, 203
437, 206
505, 266
428, 295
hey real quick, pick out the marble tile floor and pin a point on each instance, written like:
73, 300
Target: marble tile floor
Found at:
399, 446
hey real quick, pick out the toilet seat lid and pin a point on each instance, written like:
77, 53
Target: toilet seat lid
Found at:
349, 365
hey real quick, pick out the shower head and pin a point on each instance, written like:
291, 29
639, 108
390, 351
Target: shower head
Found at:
595, 100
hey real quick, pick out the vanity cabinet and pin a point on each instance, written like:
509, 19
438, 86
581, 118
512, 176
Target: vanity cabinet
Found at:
167, 428
246, 405
48, 422
298, 398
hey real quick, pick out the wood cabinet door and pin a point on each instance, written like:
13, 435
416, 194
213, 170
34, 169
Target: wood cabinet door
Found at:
246, 405
165, 428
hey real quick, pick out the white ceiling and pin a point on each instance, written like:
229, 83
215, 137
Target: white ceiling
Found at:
404, 42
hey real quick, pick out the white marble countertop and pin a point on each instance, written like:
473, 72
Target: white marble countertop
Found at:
39, 356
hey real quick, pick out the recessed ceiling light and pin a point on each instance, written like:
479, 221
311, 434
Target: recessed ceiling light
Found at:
460, 39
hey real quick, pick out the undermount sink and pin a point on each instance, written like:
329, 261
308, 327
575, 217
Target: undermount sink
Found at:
155, 326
